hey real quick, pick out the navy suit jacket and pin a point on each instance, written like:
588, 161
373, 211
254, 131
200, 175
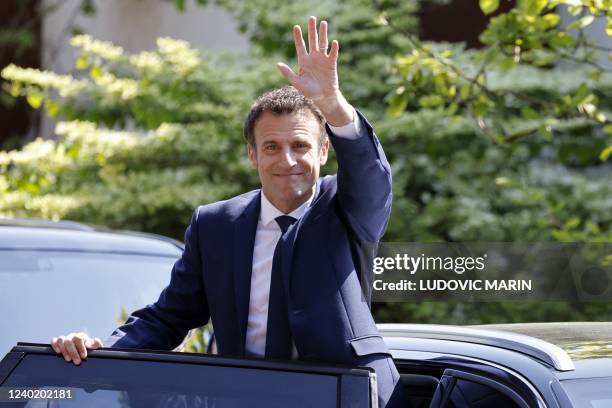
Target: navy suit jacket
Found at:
329, 317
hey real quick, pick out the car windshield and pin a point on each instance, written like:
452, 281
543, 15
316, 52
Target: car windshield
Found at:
590, 392
48, 293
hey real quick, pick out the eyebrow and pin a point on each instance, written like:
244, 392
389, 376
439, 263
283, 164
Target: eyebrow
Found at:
274, 141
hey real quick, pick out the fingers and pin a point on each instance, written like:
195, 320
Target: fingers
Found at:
300, 47
287, 72
55, 345
73, 347
333, 52
323, 36
59, 347
313, 42
95, 344
316, 42
72, 352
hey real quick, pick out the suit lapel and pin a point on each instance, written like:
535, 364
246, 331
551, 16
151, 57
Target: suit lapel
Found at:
289, 240
245, 229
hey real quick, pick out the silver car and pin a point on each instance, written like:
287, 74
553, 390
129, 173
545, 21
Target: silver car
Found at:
62, 277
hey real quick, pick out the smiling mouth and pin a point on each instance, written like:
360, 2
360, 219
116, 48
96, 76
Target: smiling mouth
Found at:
289, 175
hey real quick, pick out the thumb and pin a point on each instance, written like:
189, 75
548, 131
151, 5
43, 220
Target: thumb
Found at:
287, 72
94, 343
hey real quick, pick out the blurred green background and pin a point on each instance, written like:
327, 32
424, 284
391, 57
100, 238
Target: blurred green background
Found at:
503, 132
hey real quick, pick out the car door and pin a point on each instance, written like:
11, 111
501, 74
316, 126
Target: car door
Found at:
461, 389
127, 378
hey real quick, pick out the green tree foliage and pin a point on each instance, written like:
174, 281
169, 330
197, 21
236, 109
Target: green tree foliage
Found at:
506, 143
508, 146
144, 138
490, 144
366, 43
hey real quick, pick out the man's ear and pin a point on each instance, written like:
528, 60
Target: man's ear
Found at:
252, 155
323, 152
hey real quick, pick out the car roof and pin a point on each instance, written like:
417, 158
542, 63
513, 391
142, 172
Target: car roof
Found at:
530, 340
580, 340
32, 234
588, 344
529, 346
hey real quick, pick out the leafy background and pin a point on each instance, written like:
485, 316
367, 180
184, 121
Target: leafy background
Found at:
509, 142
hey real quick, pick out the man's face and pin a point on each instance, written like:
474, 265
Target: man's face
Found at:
287, 157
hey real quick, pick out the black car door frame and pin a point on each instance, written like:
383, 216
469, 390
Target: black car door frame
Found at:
449, 378
356, 386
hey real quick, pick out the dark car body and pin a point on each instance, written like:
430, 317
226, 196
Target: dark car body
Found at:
440, 366
127, 378
501, 366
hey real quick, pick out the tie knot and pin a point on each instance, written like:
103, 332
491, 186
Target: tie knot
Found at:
284, 221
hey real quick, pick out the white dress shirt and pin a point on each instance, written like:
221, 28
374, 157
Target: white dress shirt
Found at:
267, 235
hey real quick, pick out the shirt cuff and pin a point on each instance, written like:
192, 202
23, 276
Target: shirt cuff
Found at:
349, 131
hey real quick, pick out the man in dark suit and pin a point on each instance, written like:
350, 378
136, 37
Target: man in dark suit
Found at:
276, 269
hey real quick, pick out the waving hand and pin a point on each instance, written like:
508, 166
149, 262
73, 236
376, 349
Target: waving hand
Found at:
317, 77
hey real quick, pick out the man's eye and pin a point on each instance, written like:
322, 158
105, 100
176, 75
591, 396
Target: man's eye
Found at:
302, 145
270, 147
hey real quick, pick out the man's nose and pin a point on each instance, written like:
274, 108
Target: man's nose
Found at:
288, 157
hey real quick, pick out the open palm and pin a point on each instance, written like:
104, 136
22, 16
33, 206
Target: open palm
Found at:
318, 76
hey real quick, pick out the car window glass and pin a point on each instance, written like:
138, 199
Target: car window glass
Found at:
590, 392
47, 293
469, 394
108, 382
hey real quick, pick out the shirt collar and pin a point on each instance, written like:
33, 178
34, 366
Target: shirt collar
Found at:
269, 212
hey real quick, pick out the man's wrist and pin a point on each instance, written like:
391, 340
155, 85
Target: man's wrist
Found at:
350, 131
336, 110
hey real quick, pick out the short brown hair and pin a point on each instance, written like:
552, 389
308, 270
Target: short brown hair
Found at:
279, 101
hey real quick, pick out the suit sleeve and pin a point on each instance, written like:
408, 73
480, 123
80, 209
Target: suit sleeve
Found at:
181, 306
364, 182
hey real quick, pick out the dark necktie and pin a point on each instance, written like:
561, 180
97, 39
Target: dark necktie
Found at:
278, 334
